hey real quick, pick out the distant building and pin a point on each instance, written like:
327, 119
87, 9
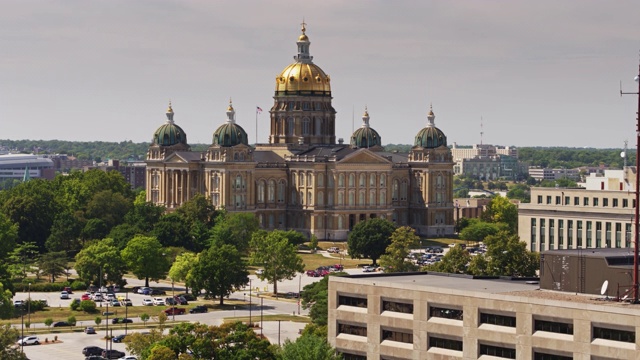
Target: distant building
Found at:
65, 163
470, 208
597, 216
133, 172
540, 173
13, 166
487, 162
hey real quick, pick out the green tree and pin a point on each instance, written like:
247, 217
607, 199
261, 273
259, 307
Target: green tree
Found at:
507, 255
122, 233
8, 236
501, 210
109, 206
100, 257
520, 192
22, 259
52, 264
455, 261
308, 347
172, 230
370, 238
48, 322
161, 352
94, 229
6, 306
144, 215
279, 257
242, 226
182, 268
198, 209
144, 317
71, 320
219, 271
139, 344
8, 351
315, 297
65, 233
145, 258
477, 230
403, 240
98, 320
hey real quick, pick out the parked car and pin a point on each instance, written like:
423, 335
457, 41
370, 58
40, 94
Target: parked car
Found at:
64, 295
187, 296
128, 357
112, 354
312, 273
18, 303
158, 292
147, 302
198, 309
126, 302
60, 324
29, 340
259, 271
121, 320
142, 290
119, 338
333, 249
94, 357
175, 311
89, 330
170, 301
85, 297
114, 302
97, 297
135, 289
368, 269
92, 350
158, 301
181, 300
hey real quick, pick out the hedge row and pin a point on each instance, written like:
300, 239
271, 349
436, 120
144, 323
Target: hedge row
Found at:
51, 287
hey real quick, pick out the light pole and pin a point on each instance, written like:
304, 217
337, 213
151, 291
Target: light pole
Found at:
173, 294
637, 207
29, 306
126, 312
22, 326
299, 286
250, 324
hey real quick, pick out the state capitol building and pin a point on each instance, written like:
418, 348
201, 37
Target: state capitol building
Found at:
302, 179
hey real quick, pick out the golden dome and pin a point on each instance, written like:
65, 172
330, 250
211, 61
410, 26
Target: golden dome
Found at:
303, 37
301, 76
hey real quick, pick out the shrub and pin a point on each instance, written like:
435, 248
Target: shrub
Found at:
98, 320
88, 306
75, 304
48, 322
71, 320
48, 287
35, 305
78, 285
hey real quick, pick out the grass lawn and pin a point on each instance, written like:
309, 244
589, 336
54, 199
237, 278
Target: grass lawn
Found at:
313, 261
245, 319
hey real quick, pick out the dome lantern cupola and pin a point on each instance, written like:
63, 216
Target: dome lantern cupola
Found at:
230, 133
169, 134
366, 136
303, 46
430, 136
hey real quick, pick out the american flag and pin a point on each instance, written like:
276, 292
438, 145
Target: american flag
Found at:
258, 109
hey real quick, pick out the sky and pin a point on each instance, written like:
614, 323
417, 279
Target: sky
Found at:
524, 73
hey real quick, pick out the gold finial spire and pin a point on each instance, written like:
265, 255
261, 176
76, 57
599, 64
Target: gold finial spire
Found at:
230, 108
430, 109
366, 111
304, 26
170, 110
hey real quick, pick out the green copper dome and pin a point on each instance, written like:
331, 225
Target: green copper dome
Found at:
230, 133
366, 136
169, 133
430, 136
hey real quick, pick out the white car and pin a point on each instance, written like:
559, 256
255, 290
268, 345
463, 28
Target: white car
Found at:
29, 340
18, 303
128, 357
259, 271
97, 297
64, 295
147, 302
158, 301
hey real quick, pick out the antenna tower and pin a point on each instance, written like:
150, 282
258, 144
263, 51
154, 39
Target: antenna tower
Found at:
481, 130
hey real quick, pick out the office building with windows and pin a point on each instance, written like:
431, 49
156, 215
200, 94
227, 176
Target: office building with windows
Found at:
444, 316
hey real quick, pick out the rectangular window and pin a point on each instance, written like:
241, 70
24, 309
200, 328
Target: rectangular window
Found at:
442, 343
614, 334
576, 200
553, 326
585, 201
533, 235
598, 234
551, 234
560, 234
618, 235
589, 234
352, 329
607, 237
625, 203
595, 201
548, 199
352, 301
579, 237
615, 203
627, 236
347, 356
569, 234
498, 351
441, 312
558, 200
544, 356
605, 202
567, 200
543, 229
397, 307
502, 320
399, 336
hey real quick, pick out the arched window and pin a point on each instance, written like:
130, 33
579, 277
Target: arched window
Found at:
341, 180
261, 220
330, 180
352, 198
281, 190
309, 198
352, 180
215, 182
340, 198
361, 198
320, 179
301, 179
294, 199
290, 126
330, 198
310, 179
294, 179
261, 191
403, 190
271, 221
372, 180
301, 197
272, 191
383, 198
239, 182
306, 126
320, 199
383, 180
363, 180
396, 188
372, 198
439, 181
318, 126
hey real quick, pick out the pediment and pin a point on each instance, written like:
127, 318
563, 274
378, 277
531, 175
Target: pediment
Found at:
364, 156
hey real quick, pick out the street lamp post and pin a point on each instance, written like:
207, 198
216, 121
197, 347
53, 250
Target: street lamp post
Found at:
29, 306
299, 285
126, 312
637, 207
173, 294
250, 324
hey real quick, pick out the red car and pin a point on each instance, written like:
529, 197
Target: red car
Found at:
85, 297
175, 311
312, 273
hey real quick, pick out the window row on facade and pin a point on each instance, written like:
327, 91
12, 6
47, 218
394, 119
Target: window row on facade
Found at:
593, 201
550, 234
